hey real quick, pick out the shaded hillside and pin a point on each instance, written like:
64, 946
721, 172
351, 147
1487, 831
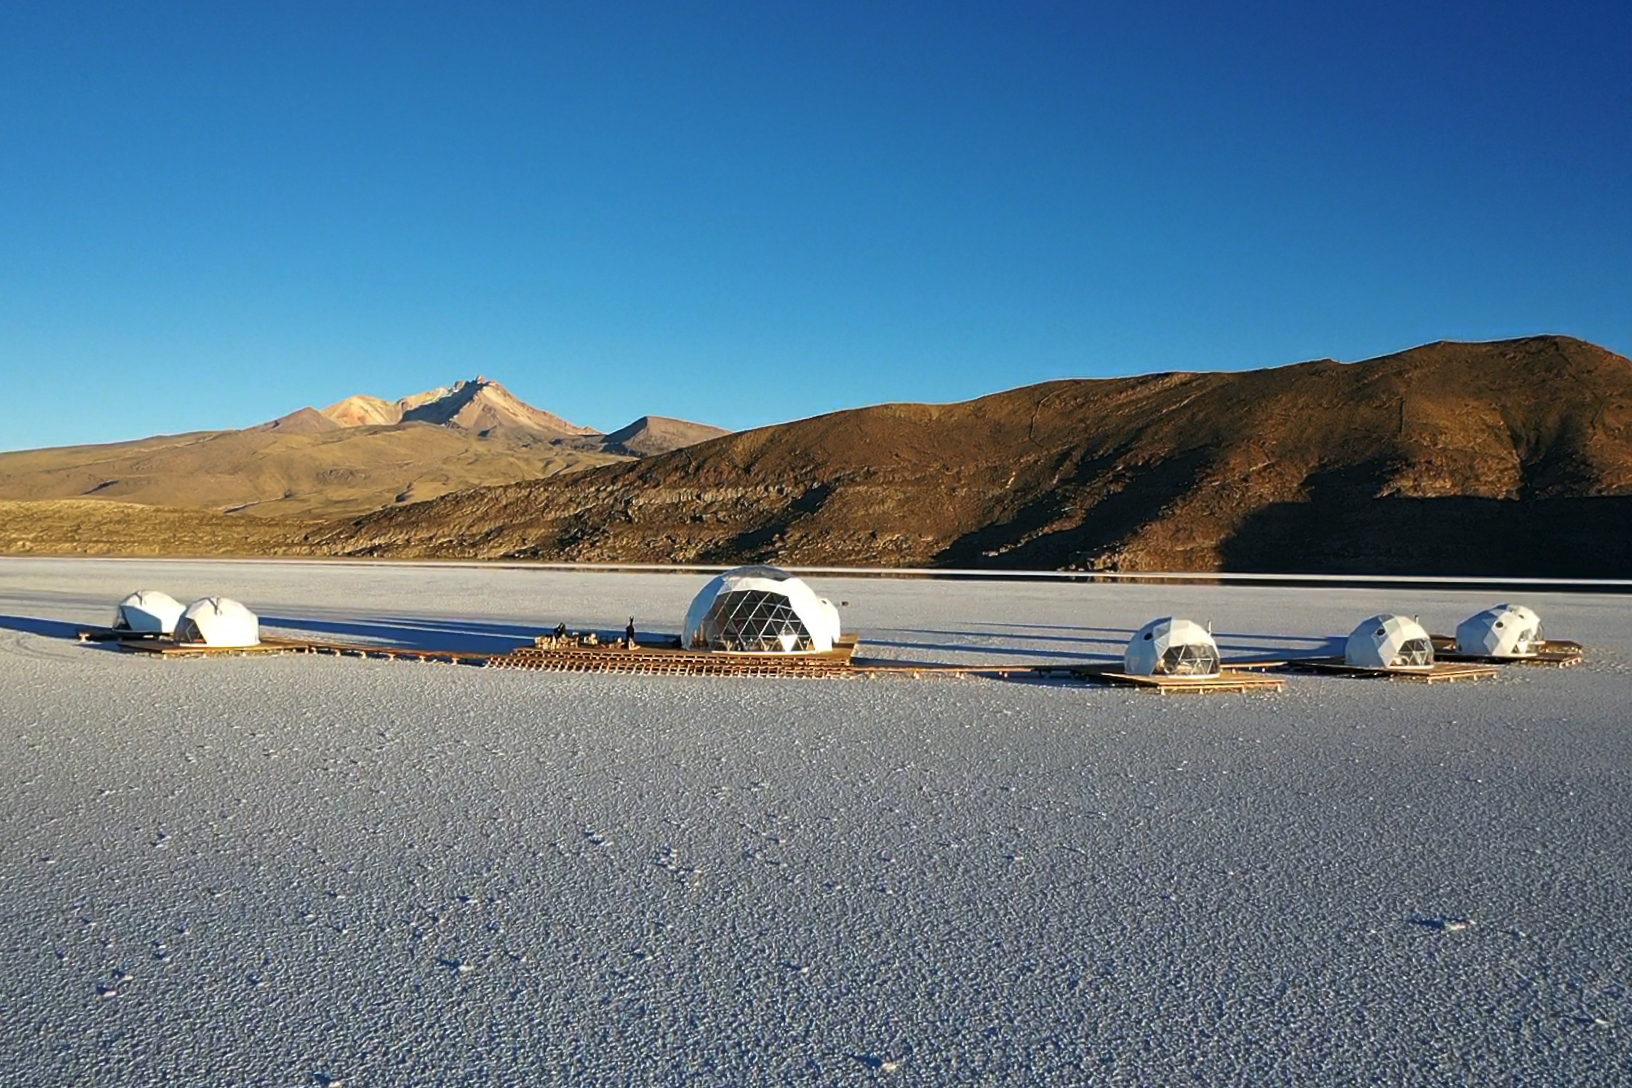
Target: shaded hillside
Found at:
1292, 468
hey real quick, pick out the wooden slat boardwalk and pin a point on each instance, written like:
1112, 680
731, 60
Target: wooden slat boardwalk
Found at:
1228, 681
670, 663
1441, 672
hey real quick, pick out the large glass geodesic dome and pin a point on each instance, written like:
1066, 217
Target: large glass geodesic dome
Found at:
1503, 630
147, 612
1389, 642
1171, 647
761, 610
218, 621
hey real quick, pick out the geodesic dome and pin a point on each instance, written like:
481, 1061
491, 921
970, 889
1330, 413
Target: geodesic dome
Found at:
1389, 642
1503, 630
147, 612
762, 610
1171, 647
218, 621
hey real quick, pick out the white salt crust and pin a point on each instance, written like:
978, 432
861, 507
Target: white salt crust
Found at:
301, 870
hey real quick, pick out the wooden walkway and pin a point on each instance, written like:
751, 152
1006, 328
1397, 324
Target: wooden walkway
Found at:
1441, 672
656, 659
1228, 681
667, 659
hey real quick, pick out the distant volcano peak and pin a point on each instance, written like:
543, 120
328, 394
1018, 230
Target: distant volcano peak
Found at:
475, 405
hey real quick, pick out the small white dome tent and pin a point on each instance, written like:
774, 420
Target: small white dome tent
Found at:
218, 621
1171, 647
759, 609
1389, 642
1503, 630
147, 612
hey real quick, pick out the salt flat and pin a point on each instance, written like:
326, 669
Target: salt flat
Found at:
300, 870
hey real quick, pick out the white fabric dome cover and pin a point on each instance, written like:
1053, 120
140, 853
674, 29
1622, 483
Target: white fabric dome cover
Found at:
1171, 647
147, 612
833, 626
760, 609
217, 621
1389, 642
1503, 630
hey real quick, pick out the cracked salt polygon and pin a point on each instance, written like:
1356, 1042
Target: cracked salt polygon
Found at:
1389, 642
760, 609
1171, 647
218, 621
1502, 630
147, 612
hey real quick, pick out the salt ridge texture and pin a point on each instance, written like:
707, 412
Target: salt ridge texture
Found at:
299, 870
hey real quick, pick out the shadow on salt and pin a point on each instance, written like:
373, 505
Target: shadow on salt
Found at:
452, 636
29, 625
1111, 640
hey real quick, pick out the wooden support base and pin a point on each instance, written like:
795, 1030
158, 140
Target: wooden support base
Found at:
1551, 654
116, 634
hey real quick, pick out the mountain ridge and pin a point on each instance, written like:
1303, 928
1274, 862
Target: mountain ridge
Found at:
1187, 471
1505, 458
360, 454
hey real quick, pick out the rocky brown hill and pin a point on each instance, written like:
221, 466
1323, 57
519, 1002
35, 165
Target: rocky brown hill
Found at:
1511, 457
649, 436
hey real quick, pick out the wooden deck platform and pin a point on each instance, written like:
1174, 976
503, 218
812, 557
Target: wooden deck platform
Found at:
1228, 681
659, 659
1442, 672
1551, 654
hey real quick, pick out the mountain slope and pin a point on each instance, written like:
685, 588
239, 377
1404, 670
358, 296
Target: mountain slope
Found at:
358, 455
649, 436
364, 411
290, 467
1389, 464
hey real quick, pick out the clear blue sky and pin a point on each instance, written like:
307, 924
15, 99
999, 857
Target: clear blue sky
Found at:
742, 213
